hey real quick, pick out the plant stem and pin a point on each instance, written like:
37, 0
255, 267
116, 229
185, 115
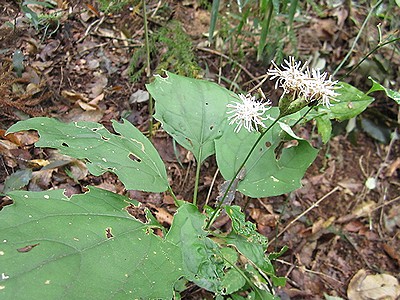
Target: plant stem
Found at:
217, 209
380, 45
196, 183
173, 196
357, 37
148, 70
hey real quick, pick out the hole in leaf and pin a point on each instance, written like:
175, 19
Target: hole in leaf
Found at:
211, 127
190, 141
206, 103
27, 248
104, 138
65, 144
109, 235
134, 157
282, 145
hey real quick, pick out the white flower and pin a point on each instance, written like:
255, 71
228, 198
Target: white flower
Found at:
291, 78
321, 88
247, 113
310, 85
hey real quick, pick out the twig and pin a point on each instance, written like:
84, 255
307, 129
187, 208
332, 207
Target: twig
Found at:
306, 270
211, 188
304, 213
97, 22
386, 203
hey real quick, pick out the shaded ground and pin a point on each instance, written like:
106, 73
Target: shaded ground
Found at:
78, 68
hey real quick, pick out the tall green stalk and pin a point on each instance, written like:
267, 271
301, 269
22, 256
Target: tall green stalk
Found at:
217, 209
357, 37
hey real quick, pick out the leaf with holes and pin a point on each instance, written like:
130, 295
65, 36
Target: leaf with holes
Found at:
83, 247
192, 111
276, 166
128, 154
201, 256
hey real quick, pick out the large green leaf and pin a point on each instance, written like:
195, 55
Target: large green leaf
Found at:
192, 111
83, 247
274, 168
130, 155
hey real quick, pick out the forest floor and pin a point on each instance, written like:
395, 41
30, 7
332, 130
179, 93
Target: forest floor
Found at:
77, 68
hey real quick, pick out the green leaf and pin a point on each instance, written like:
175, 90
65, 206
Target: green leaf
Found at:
376, 86
17, 180
378, 131
55, 247
233, 281
31, 15
18, 62
272, 169
252, 244
351, 102
192, 111
324, 126
201, 257
130, 155
242, 227
213, 19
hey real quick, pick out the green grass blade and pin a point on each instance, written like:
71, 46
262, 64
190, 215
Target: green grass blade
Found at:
213, 21
265, 24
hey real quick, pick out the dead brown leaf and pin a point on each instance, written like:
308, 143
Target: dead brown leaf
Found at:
74, 96
373, 287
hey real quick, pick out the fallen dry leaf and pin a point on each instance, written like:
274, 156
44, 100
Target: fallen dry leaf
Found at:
73, 96
78, 170
373, 287
393, 167
86, 106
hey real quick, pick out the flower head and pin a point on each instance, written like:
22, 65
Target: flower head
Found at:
247, 113
291, 77
321, 88
312, 85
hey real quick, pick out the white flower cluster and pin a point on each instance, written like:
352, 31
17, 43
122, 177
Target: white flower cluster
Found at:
300, 81
247, 113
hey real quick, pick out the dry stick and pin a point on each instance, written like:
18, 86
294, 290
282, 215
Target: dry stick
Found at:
97, 22
228, 58
307, 270
148, 70
211, 188
303, 214
386, 203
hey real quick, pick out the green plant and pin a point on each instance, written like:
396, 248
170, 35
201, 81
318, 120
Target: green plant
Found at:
48, 23
266, 25
115, 6
89, 246
173, 49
